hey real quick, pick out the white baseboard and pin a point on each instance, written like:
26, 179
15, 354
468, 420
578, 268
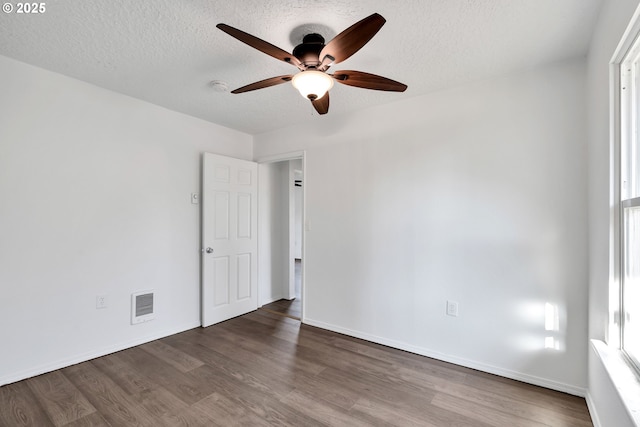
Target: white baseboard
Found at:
514, 375
79, 358
271, 299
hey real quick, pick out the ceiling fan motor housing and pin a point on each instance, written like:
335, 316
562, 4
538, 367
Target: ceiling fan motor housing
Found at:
308, 52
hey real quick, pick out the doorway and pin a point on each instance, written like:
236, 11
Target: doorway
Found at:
289, 307
282, 236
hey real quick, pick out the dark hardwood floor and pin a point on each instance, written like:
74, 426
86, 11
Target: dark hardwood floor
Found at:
264, 369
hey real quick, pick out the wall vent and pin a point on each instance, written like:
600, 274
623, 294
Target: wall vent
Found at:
142, 307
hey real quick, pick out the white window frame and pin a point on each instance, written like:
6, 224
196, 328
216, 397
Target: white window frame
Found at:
633, 357
625, 75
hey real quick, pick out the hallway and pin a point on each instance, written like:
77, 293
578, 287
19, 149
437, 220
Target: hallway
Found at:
290, 308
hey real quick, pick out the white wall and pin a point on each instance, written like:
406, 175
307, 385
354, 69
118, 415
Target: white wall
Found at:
94, 199
614, 18
475, 194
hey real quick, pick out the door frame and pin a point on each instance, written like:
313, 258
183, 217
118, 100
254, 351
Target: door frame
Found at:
292, 155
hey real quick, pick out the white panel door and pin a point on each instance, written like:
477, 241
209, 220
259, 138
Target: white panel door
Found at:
229, 238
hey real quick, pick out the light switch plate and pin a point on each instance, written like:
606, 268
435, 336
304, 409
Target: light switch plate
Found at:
452, 308
101, 301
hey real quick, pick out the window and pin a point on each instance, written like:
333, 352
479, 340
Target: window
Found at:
631, 280
629, 203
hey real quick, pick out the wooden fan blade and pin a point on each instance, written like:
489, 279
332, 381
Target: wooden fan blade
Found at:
260, 44
368, 81
353, 38
322, 105
263, 83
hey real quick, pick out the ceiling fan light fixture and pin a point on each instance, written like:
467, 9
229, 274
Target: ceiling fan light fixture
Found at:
312, 84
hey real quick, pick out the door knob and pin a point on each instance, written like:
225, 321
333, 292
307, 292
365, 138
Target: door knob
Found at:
209, 250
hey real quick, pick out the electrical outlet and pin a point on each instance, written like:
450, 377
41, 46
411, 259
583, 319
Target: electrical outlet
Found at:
452, 308
101, 301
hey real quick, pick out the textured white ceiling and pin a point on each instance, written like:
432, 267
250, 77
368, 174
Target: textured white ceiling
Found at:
168, 51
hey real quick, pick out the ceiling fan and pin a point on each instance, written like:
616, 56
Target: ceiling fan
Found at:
313, 58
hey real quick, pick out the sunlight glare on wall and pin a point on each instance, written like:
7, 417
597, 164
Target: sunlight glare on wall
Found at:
551, 324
